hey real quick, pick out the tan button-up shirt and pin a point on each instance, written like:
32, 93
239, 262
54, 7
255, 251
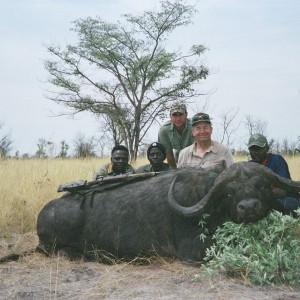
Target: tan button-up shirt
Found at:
216, 155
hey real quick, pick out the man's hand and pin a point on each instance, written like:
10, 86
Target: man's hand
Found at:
171, 160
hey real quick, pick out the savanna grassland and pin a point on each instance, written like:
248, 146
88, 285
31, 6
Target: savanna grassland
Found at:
28, 184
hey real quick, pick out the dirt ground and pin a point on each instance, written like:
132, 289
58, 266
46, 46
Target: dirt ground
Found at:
36, 276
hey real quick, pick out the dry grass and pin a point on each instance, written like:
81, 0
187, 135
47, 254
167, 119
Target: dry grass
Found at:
60, 278
294, 166
40, 277
27, 185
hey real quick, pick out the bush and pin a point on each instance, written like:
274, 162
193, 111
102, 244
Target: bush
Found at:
266, 252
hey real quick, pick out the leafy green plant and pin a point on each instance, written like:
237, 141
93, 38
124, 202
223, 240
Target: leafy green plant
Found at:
266, 252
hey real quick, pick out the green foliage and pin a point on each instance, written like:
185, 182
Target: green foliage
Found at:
5, 143
63, 149
266, 252
42, 145
122, 72
202, 224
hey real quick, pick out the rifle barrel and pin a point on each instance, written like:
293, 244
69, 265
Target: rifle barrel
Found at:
80, 184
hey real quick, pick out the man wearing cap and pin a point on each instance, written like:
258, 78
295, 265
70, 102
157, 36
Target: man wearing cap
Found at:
259, 152
176, 134
156, 154
204, 152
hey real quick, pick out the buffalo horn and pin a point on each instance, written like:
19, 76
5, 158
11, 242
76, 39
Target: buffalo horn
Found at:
238, 171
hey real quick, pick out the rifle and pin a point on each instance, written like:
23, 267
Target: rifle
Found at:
83, 184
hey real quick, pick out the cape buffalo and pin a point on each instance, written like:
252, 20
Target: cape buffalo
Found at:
160, 214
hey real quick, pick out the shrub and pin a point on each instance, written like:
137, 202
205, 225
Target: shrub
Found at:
266, 252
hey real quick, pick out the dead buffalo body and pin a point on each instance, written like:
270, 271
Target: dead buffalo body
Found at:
160, 214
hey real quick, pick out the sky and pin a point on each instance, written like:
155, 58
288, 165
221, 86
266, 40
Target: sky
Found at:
253, 57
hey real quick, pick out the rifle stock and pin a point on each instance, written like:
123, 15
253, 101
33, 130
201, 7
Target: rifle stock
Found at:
82, 184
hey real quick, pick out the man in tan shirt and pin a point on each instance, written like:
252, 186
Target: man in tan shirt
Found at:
204, 152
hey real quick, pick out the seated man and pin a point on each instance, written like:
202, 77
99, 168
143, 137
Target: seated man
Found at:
258, 148
118, 165
156, 154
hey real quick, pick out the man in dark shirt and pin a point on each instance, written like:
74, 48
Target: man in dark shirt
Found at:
156, 154
118, 163
259, 152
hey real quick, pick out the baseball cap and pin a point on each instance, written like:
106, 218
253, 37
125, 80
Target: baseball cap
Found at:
257, 140
179, 107
200, 117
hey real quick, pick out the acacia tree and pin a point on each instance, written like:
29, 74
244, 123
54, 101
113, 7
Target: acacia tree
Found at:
123, 72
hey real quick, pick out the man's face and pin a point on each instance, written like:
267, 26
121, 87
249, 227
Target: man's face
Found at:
178, 119
156, 157
119, 161
258, 154
202, 132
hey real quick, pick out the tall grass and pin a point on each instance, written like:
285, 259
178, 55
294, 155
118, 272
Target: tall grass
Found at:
27, 185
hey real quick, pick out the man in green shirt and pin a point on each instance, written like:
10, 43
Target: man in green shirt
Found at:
176, 134
156, 154
118, 165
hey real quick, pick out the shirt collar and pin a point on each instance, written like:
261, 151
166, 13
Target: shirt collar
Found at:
211, 148
264, 162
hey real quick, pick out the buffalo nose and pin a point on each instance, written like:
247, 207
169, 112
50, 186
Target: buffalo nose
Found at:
247, 204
